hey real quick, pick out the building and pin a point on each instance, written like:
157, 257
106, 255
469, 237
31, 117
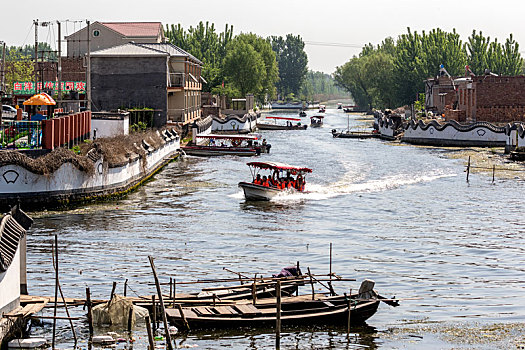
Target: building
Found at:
160, 76
496, 99
104, 35
13, 228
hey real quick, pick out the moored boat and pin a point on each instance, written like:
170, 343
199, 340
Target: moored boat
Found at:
223, 144
268, 187
289, 124
311, 310
316, 121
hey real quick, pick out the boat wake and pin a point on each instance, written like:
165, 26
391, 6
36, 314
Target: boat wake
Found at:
343, 187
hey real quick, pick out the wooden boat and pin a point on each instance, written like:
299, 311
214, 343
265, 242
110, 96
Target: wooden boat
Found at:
347, 134
316, 121
289, 125
318, 310
221, 144
255, 191
348, 108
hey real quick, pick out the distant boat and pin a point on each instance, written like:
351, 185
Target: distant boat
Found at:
339, 105
302, 114
287, 105
222, 145
289, 124
316, 121
322, 108
348, 108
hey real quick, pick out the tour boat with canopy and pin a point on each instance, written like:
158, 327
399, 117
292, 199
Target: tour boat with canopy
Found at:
322, 108
289, 124
316, 121
222, 144
281, 177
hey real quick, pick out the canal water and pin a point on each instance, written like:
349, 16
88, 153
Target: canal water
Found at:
401, 215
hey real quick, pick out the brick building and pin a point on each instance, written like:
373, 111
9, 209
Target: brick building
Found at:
496, 99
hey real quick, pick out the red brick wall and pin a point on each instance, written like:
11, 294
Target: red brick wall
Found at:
500, 99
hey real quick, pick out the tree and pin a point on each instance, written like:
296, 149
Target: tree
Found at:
292, 62
244, 67
18, 67
477, 48
271, 72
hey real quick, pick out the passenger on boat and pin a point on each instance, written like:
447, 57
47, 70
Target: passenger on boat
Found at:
258, 180
265, 182
299, 185
212, 142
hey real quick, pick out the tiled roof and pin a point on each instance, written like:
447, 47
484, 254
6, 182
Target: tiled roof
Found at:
130, 49
13, 227
135, 29
170, 49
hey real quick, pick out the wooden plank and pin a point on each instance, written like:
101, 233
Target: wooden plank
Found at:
202, 311
225, 310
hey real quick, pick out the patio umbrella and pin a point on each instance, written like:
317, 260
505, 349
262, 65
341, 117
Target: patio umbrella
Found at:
40, 100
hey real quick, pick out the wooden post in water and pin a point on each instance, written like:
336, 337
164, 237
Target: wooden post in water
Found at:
154, 313
254, 292
349, 313
150, 334
161, 301
174, 291
89, 313
183, 317
126, 287
493, 172
113, 291
298, 272
130, 320
311, 283
171, 287
55, 265
278, 315
468, 167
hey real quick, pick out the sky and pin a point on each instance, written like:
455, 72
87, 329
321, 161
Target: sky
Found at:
350, 23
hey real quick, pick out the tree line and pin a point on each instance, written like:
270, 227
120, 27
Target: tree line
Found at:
392, 73
244, 63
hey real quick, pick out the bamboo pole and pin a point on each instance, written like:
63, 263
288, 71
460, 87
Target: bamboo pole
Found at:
299, 272
349, 313
171, 287
154, 313
55, 265
89, 313
311, 283
468, 167
183, 317
130, 319
174, 291
159, 292
151, 345
113, 291
493, 172
278, 315
126, 287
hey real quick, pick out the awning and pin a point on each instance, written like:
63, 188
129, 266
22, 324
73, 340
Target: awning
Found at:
41, 99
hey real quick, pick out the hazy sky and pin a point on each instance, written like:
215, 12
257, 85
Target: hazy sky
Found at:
352, 23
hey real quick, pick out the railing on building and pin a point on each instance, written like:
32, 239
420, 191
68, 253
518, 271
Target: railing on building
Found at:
177, 80
21, 134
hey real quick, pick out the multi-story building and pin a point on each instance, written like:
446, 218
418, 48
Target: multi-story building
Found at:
160, 76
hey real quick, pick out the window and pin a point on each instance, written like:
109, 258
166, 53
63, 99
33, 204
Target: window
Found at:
96, 33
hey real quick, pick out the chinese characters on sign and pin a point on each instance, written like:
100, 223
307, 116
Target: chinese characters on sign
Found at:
28, 87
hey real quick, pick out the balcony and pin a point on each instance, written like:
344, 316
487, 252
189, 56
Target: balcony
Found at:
176, 80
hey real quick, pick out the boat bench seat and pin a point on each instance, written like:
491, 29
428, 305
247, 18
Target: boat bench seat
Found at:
203, 311
225, 310
329, 304
247, 309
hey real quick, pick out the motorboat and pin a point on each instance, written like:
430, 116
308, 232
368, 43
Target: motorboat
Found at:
339, 105
348, 108
316, 121
322, 109
302, 114
278, 126
280, 178
209, 145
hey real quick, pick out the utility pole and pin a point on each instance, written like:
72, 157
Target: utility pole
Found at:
2, 80
88, 73
59, 68
36, 54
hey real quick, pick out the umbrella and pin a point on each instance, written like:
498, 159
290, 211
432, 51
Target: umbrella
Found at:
40, 99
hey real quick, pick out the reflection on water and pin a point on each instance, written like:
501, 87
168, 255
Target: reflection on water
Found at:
402, 216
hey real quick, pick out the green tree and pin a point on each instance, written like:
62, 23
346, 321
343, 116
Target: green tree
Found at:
477, 49
292, 62
19, 67
271, 72
244, 67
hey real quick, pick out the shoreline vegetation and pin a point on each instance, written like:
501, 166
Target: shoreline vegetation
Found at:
391, 74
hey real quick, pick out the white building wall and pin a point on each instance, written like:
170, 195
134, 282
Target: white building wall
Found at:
10, 285
110, 127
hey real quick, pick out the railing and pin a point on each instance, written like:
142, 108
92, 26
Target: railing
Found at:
177, 80
21, 134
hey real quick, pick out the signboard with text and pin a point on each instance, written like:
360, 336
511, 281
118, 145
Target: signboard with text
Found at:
28, 87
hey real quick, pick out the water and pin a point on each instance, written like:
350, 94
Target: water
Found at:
403, 216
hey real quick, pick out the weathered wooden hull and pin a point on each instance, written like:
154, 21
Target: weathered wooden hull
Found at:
354, 135
257, 192
262, 126
312, 313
